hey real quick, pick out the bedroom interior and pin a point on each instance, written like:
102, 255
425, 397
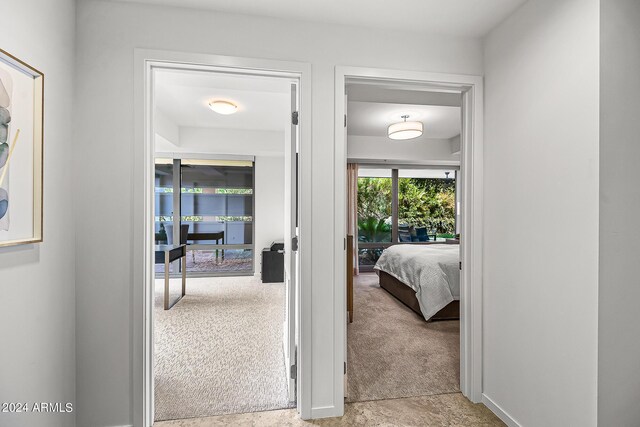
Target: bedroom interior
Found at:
403, 225
219, 307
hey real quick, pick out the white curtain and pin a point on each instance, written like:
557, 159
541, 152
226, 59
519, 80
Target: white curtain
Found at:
352, 211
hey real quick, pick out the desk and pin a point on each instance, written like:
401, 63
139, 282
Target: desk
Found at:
165, 254
217, 236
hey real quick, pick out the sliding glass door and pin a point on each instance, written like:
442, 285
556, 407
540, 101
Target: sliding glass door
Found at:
215, 213
403, 205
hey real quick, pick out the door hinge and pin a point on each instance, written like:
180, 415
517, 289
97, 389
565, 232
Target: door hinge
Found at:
293, 370
294, 243
460, 266
345, 368
294, 118
345, 120
345, 243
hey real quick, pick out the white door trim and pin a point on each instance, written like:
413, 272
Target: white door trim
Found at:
471, 88
141, 239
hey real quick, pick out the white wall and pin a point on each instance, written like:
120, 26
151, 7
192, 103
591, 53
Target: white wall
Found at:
108, 32
166, 128
379, 147
454, 143
37, 356
256, 142
541, 213
619, 287
269, 200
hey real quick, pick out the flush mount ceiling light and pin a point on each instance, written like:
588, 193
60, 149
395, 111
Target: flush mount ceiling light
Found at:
405, 129
223, 107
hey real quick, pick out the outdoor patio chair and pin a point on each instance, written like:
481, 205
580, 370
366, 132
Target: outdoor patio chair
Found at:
421, 234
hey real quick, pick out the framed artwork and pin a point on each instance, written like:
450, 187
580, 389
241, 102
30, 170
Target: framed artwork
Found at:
21, 178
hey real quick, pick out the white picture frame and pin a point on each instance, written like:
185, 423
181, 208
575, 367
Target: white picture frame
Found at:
21, 152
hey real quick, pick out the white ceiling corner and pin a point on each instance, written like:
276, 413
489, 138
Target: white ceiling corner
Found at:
458, 18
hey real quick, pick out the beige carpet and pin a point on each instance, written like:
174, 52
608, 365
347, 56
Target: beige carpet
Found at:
219, 350
392, 352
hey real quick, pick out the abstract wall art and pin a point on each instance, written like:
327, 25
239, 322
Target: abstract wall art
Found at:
21, 145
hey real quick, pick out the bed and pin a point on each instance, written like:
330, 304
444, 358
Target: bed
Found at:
424, 277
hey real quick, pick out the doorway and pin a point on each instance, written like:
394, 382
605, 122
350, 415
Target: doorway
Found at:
236, 225
221, 344
468, 89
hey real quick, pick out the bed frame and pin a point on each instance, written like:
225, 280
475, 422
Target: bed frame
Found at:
408, 297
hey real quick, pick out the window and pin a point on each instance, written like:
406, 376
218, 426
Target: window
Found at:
374, 213
426, 204
163, 204
215, 206
412, 206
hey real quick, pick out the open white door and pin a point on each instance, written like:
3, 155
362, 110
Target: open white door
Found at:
291, 243
346, 365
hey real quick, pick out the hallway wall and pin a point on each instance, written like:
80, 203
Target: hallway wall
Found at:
37, 284
541, 214
619, 282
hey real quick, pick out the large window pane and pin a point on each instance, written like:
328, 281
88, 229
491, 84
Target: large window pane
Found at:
374, 213
374, 206
217, 209
163, 204
426, 212
426, 205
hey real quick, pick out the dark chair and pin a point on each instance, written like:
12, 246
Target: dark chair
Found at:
184, 236
184, 233
404, 233
161, 238
421, 234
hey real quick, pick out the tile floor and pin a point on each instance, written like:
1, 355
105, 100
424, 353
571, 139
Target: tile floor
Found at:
426, 411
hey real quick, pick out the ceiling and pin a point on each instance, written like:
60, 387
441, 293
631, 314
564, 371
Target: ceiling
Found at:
264, 104
468, 18
373, 118
183, 97
372, 107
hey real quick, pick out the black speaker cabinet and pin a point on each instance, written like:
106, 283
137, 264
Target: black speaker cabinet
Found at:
272, 266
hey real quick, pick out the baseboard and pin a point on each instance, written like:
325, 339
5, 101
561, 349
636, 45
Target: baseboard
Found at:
500, 413
325, 412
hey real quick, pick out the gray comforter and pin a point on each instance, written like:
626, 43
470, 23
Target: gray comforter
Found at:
430, 270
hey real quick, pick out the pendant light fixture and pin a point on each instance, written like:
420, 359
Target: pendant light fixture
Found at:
405, 130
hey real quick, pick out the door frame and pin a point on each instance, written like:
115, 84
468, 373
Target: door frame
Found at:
141, 241
471, 163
